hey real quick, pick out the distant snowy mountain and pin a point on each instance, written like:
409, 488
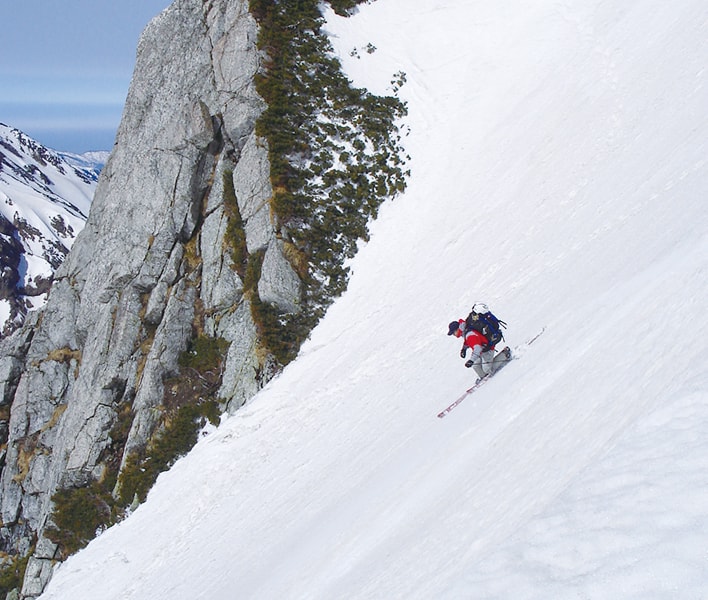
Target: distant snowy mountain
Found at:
44, 202
90, 161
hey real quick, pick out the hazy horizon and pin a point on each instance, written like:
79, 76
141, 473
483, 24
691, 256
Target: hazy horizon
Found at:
66, 68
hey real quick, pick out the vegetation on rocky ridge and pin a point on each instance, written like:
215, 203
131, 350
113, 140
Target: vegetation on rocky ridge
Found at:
334, 152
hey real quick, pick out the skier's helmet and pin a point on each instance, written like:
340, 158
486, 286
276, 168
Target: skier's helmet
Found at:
479, 308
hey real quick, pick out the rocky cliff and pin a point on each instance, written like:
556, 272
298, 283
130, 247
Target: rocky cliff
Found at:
195, 277
148, 274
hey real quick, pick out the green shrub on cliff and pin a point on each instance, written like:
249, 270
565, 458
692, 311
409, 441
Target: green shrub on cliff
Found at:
334, 150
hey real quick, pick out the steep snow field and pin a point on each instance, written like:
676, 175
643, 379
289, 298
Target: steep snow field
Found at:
559, 173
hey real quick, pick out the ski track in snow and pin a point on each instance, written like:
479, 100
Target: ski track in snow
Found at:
576, 133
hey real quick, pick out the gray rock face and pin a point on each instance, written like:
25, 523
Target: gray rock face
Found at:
150, 267
279, 284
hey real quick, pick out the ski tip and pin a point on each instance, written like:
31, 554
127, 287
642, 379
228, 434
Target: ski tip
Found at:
538, 335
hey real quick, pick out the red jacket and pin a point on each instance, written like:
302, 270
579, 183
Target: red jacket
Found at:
472, 338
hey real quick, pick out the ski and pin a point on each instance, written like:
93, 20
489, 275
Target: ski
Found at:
480, 382
466, 393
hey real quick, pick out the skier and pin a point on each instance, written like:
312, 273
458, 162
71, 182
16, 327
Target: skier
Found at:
482, 358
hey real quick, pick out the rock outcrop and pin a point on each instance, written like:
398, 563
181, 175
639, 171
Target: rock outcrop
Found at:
150, 271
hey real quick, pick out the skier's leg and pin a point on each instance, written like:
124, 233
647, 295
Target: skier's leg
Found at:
477, 366
487, 360
501, 359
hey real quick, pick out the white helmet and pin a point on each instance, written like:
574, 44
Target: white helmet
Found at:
480, 307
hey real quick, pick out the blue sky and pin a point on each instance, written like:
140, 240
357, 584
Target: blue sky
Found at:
65, 67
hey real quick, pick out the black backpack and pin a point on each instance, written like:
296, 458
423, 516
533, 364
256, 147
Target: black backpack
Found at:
487, 324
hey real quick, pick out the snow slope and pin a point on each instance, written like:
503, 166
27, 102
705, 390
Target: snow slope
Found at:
559, 173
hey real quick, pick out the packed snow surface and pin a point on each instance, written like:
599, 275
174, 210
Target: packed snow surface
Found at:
559, 173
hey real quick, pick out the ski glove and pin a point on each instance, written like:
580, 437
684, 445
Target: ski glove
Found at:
469, 363
463, 351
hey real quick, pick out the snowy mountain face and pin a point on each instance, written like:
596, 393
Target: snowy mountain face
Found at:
44, 202
559, 156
